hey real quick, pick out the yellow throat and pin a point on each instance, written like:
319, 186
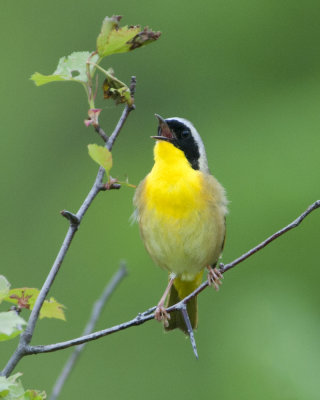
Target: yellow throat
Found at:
173, 187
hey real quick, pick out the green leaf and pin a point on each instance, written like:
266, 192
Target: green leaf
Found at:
119, 40
11, 325
107, 25
113, 40
70, 68
40, 79
26, 298
101, 155
52, 309
34, 395
9, 387
4, 287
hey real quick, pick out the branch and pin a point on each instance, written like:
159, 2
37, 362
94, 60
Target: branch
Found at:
186, 318
95, 314
123, 117
148, 315
271, 238
101, 132
26, 336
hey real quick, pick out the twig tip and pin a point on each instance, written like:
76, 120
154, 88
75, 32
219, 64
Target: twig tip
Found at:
72, 218
124, 267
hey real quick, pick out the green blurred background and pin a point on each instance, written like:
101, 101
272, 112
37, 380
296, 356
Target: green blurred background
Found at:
247, 74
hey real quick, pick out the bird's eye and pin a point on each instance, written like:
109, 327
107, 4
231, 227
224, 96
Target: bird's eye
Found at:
185, 134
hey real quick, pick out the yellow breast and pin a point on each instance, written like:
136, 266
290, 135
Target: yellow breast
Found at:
173, 188
181, 220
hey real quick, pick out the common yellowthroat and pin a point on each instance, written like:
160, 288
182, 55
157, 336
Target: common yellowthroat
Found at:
181, 212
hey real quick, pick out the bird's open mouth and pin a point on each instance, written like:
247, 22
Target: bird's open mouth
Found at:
164, 131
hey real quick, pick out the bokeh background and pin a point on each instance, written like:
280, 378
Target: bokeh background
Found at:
247, 74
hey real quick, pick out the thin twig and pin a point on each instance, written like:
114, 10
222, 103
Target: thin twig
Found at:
95, 314
271, 238
101, 132
26, 336
189, 327
124, 116
141, 318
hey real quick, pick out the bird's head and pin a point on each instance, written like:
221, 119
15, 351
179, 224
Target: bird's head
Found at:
183, 135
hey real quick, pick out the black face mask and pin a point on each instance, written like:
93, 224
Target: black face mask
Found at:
184, 141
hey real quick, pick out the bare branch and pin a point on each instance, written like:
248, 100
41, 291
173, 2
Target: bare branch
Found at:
101, 132
138, 320
123, 117
149, 315
271, 238
95, 314
26, 336
189, 327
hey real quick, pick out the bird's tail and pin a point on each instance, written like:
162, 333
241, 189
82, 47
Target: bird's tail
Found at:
179, 290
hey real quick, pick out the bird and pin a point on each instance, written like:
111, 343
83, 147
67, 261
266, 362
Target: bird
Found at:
181, 210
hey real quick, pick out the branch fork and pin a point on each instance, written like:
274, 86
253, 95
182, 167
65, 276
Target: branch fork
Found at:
72, 218
111, 184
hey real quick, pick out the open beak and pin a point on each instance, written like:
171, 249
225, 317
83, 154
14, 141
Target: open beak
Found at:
164, 130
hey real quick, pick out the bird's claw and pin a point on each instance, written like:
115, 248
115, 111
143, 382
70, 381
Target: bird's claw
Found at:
161, 315
214, 278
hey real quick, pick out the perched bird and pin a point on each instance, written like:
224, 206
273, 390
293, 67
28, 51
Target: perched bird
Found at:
181, 212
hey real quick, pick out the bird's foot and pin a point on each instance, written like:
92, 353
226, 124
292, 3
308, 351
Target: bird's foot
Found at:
214, 277
161, 315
